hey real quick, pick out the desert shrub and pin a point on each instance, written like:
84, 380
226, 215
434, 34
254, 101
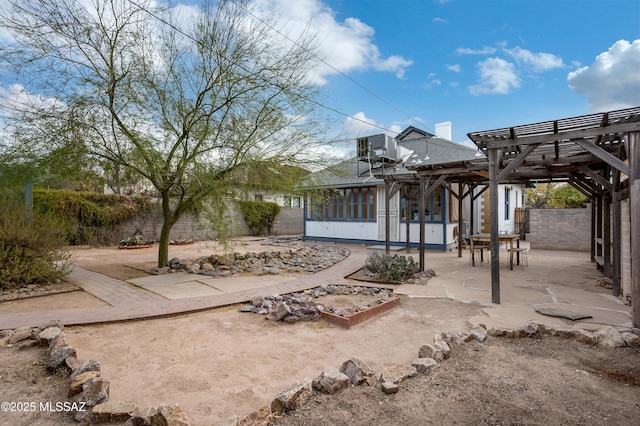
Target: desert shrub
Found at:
31, 247
387, 268
87, 217
260, 215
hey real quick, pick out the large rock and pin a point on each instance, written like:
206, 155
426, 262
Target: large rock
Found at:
260, 417
292, 398
630, 339
584, 336
47, 335
94, 391
397, 373
113, 412
89, 365
141, 417
358, 372
479, 333
280, 312
331, 381
609, 337
425, 365
169, 416
20, 335
430, 351
76, 384
58, 356
440, 344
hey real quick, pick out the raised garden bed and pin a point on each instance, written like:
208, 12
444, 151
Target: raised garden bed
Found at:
348, 321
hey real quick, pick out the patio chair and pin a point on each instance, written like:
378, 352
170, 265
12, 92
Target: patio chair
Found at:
522, 258
478, 251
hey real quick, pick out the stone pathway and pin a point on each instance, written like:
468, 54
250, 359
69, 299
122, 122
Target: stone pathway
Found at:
154, 297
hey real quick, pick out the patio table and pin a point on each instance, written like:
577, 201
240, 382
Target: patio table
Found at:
486, 238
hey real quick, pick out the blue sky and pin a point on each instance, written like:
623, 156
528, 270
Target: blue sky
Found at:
487, 64
481, 64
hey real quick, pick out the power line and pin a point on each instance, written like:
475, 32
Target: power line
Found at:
172, 26
326, 63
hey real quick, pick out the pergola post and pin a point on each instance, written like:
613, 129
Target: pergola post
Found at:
387, 219
634, 208
421, 219
493, 155
460, 191
617, 234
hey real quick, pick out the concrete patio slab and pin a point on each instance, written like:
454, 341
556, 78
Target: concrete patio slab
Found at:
179, 290
163, 279
242, 283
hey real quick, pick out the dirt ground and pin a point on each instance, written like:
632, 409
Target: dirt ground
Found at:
223, 363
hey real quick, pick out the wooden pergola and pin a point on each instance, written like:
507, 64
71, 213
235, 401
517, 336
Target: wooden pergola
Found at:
598, 154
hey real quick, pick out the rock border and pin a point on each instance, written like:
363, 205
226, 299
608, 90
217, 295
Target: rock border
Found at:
354, 372
88, 392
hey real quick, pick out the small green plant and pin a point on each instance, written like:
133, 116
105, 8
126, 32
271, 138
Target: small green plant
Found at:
260, 215
136, 240
387, 268
31, 246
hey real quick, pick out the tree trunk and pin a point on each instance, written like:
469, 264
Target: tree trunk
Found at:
168, 221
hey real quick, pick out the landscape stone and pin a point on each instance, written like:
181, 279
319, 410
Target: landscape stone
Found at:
440, 344
58, 356
358, 372
76, 384
89, 365
389, 388
430, 351
72, 363
425, 365
169, 416
479, 333
584, 336
47, 335
141, 417
246, 308
397, 373
260, 417
292, 398
609, 337
26, 344
630, 339
94, 391
113, 412
331, 380
20, 335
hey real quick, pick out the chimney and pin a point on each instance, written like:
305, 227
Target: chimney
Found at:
443, 130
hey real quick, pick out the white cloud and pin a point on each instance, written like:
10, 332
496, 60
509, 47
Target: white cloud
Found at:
15, 97
539, 61
484, 51
359, 125
439, 21
344, 45
455, 68
497, 77
613, 80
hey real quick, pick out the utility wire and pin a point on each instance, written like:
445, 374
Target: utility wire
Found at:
172, 26
326, 63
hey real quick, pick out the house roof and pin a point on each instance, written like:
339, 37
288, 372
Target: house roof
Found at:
420, 148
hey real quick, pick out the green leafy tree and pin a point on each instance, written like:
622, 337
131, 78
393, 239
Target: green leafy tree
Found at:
179, 101
555, 196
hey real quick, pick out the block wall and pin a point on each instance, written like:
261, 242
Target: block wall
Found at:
560, 229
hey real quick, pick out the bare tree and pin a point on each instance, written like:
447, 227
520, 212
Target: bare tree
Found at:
181, 100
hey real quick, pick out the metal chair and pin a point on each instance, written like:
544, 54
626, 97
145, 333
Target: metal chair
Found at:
522, 258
